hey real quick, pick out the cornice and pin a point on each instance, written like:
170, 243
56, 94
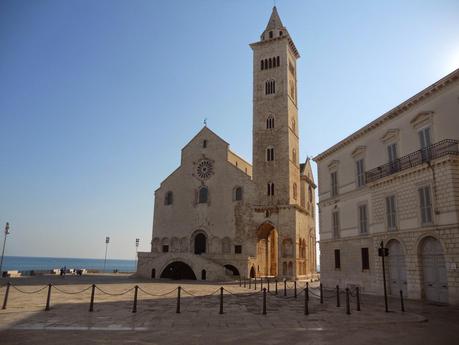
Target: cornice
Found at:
393, 113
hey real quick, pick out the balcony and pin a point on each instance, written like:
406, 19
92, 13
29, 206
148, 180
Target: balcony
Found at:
437, 150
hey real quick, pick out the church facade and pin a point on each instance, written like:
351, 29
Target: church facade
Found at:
217, 216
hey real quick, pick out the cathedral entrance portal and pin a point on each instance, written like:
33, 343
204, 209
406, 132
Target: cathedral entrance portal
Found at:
267, 250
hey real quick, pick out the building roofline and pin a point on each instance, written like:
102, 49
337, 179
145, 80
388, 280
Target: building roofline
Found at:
400, 109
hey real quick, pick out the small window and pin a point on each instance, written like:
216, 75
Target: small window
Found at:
334, 183
365, 259
204, 143
270, 63
270, 34
203, 195
363, 219
391, 213
280, 33
335, 224
425, 202
165, 248
262, 65
295, 191
270, 122
168, 198
310, 193
238, 193
237, 249
337, 259
270, 189
270, 87
278, 58
360, 173
270, 154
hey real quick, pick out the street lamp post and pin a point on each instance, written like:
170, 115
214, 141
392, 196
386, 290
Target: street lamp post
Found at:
382, 252
7, 231
137, 241
107, 241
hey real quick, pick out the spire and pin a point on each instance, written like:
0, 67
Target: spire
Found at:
274, 21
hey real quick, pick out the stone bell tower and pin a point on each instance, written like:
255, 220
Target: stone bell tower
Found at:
276, 169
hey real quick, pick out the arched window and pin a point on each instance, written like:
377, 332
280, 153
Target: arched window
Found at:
270, 87
270, 63
295, 191
270, 189
270, 154
203, 195
168, 198
238, 193
262, 65
270, 34
204, 143
200, 244
278, 58
270, 122
266, 63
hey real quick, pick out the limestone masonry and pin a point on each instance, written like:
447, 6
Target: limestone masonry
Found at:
216, 216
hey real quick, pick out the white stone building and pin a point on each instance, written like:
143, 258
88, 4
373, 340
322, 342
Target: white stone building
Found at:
396, 180
216, 215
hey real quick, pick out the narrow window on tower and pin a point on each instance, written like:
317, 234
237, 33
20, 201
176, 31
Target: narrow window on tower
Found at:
270, 154
278, 58
270, 122
262, 65
270, 189
270, 34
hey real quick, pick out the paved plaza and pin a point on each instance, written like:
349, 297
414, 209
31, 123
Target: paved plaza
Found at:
24, 321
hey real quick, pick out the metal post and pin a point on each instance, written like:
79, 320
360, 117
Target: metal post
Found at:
261, 283
321, 294
178, 300
348, 305
91, 304
285, 287
402, 305
268, 285
250, 283
255, 283
245, 282
134, 307
307, 289
357, 294
384, 276
221, 300
264, 301
5, 300
7, 231
306, 301
337, 296
107, 241
294, 287
276, 286
48, 298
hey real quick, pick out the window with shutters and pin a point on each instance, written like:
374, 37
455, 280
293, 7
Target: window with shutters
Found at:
360, 168
334, 183
335, 224
363, 219
391, 213
425, 202
365, 259
337, 259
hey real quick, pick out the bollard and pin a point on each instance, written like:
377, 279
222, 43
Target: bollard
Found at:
321, 294
294, 288
91, 304
5, 300
306, 301
337, 296
276, 286
134, 306
261, 283
348, 306
48, 298
307, 290
357, 295
245, 282
402, 305
268, 284
264, 301
255, 283
250, 283
221, 300
285, 287
178, 300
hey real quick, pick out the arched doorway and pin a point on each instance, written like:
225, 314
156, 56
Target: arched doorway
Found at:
178, 270
252, 272
232, 269
435, 280
397, 268
267, 250
203, 275
200, 243
153, 273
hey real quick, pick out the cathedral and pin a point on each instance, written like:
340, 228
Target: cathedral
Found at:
219, 217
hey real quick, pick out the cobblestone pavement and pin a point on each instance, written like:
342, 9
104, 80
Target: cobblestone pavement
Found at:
69, 321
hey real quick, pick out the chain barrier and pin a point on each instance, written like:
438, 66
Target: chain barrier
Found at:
244, 294
29, 292
114, 294
157, 295
71, 292
208, 295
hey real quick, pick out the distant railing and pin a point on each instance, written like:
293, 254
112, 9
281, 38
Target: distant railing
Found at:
437, 150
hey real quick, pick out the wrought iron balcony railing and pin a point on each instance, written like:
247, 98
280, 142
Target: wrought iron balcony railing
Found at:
437, 150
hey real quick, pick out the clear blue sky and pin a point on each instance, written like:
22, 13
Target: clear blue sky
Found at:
98, 97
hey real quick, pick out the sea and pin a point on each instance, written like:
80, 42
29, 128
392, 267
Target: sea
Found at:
29, 263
